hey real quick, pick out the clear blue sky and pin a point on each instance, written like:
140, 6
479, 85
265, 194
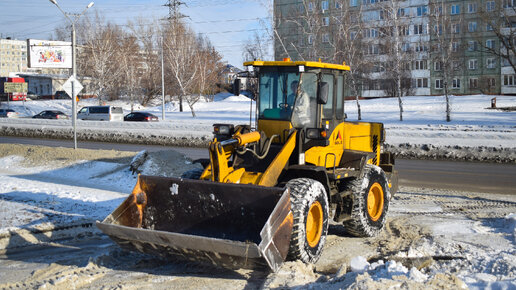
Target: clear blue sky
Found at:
228, 23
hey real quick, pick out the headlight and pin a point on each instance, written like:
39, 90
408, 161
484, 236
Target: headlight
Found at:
223, 129
316, 133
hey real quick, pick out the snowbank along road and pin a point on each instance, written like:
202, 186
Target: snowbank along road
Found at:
50, 198
476, 133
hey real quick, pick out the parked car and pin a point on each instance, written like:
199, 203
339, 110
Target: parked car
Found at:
61, 95
50, 114
141, 116
32, 96
8, 113
101, 113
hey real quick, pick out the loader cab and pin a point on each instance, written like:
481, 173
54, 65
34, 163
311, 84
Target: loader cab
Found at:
304, 95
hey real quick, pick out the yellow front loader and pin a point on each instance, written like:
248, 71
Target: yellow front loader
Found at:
267, 194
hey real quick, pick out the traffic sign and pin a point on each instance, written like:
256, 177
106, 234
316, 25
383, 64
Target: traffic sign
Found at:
67, 86
15, 87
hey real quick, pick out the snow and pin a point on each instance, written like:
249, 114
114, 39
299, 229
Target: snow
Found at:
473, 123
482, 254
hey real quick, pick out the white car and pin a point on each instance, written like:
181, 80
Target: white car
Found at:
101, 113
8, 113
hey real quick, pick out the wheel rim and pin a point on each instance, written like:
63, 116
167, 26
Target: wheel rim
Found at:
375, 201
314, 224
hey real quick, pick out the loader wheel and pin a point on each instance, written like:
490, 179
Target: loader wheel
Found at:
370, 201
192, 174
309, 205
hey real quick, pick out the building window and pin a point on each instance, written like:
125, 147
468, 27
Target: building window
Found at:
422, 10
472, 7
352, 35
472, 26
490, 5
324, 6
455, 46
473, 64
325, 38
439, 84
508, 80
372, 49
419, 29
438, 66
338, 5
491, 82
421, 83
456, 83
326, 21
405, 47
353, 3
438, 29
419, 47
455, 9
420, 65
473, 83
455, 65
491, 62
372, 33
310, 39
381, 15
490, 43
403, 30
401, 12
472, 45
509, 3
456, 28
310, 6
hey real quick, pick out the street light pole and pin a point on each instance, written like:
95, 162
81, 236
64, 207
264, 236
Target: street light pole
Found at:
74, 66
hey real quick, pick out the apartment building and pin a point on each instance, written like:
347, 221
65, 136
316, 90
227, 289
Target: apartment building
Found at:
441, 42
13, 56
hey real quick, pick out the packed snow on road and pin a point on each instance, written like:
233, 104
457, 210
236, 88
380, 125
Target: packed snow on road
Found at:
50, 199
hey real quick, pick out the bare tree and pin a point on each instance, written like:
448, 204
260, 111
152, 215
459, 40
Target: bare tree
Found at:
499, 18
180, 50
148, 63
446, 48
398, 51
349, 47
256, 47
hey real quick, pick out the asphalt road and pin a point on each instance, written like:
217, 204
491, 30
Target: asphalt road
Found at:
460, 176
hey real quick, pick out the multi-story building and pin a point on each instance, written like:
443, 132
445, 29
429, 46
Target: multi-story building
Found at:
440, 42
13, 56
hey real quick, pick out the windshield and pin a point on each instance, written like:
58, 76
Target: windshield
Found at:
288, 96
277, 94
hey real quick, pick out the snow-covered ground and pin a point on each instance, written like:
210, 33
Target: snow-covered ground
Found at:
476, 132
433, 239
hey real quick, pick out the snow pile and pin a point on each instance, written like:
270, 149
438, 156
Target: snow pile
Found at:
39, 199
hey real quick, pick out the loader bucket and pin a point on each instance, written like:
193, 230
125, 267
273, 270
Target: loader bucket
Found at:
230, 225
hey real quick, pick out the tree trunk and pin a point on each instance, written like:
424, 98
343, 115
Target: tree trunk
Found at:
180, 103
399, 100
448, 110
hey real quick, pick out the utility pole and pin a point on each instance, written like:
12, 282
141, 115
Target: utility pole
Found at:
173, 16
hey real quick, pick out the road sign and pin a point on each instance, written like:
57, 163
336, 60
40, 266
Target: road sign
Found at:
67, 86
15, 87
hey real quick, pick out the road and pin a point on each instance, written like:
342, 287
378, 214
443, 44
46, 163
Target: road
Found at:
460, 176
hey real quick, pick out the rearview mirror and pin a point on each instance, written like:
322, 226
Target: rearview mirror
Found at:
322, 93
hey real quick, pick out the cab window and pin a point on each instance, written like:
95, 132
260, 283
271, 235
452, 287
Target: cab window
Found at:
328, 107
339, 107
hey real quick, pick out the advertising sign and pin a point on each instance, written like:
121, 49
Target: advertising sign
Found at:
49, 54
15, 87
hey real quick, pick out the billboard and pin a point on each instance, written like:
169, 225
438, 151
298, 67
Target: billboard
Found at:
49, 54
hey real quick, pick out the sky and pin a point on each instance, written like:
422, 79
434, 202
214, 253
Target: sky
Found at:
227, 23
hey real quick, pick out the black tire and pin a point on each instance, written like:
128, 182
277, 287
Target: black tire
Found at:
192, 174
308, 196
366, 222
